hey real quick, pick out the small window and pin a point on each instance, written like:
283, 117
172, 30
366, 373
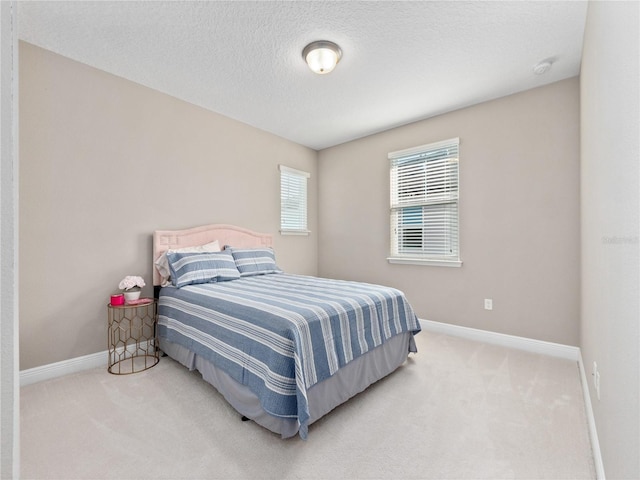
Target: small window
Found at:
293, 201
424, 205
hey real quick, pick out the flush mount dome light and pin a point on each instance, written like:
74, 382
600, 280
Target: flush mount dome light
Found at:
322, 56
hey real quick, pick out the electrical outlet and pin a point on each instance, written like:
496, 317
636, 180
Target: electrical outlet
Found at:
596, 379
488, 304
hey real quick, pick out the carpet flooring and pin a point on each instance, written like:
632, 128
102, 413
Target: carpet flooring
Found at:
457, 410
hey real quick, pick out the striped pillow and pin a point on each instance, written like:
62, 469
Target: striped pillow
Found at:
162, 263
191, 268
254, 261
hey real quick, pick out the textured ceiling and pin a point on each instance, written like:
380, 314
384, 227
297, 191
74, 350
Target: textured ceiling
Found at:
402, 61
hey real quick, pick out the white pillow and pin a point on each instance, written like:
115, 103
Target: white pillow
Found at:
162, 264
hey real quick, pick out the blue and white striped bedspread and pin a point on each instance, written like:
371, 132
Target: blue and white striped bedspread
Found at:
280, 334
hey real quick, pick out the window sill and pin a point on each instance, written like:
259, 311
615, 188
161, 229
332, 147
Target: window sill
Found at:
425, 261
295, 232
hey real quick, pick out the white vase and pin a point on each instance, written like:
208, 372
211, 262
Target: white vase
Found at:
131, 295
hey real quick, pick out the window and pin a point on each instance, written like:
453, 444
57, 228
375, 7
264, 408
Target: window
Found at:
424, 205
293, 201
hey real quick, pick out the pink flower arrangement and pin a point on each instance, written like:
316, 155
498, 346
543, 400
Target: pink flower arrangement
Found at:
130, 282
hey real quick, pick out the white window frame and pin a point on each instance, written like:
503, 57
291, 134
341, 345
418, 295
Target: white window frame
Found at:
293, 201
413, 172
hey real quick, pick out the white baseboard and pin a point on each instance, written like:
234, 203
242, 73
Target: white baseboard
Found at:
511, 341
593, 433
73, 365
534, 346
65, 367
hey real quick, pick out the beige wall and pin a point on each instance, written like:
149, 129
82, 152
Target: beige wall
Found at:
103, 163
519, 215
610, 320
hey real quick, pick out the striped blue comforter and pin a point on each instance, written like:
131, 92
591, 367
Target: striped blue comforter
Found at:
280, 334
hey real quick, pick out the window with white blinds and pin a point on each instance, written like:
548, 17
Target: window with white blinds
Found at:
293, 201
424, 204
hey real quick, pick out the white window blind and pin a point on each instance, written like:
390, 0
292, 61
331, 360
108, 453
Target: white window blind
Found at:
293, 201
424, 204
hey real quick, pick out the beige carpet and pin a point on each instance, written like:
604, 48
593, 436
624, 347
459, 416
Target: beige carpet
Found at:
456, 410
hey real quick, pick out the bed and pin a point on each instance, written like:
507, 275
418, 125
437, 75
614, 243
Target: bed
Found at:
283, 349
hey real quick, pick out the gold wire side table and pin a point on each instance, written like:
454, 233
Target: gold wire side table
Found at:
132, 338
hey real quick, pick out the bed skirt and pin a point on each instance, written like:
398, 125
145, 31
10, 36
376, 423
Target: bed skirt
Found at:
323, 397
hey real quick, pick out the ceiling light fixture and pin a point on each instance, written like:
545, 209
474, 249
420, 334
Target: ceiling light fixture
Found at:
322, 56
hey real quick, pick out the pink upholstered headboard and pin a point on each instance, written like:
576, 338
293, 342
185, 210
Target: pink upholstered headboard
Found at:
164, 240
